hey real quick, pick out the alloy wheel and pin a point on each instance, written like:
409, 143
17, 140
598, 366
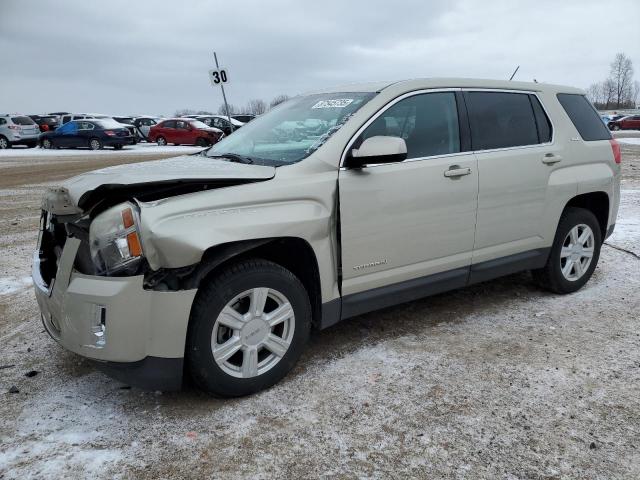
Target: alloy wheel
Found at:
253, 332
4, 143
577, 252
94, 144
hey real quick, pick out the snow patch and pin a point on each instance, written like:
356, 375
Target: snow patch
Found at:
9, 285
139, 149
630, 141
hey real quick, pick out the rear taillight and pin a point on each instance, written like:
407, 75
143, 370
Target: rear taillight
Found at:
111, 133
14, 127
44, 127
615, 147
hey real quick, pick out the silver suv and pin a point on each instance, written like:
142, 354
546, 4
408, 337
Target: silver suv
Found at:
330, 205
18, 130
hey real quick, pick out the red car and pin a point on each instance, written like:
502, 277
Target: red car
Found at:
184, 131
632, 122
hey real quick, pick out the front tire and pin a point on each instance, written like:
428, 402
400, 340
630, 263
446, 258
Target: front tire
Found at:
248, 327
47, 144
574, 254
161, 141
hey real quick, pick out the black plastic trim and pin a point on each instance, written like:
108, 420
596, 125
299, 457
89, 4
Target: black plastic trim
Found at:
331, 313
500, 267
609, 231
363, 302
377, 298
151, 373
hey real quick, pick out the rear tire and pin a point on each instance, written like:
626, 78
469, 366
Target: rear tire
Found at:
95, 144
4, 143
47, 144
202, 142
258, 349
616, 127
572, 260
117, 147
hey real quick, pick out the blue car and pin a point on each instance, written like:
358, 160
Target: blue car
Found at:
90, 133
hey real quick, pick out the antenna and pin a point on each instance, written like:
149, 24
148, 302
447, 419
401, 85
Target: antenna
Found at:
514, 73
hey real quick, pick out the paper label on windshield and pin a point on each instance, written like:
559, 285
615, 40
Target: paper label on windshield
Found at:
337, 103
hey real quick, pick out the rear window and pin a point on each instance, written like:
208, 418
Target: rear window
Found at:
501, 120
108, 123
22, 121
584, 117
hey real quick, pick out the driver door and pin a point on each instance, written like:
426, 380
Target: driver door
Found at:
67, 134
409, 226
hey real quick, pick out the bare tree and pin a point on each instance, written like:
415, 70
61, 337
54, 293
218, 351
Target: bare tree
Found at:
223, 111
256, 107
622, 77
278, 100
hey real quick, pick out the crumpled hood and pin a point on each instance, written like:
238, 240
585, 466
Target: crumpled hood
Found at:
151, 180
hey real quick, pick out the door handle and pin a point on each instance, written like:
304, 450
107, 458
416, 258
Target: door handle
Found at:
551, 158
455, 171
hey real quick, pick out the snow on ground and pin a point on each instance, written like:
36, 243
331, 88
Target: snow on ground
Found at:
138, 149
630, 141
627, 231
9, 285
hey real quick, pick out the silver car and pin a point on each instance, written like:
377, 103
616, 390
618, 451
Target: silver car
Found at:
18, 130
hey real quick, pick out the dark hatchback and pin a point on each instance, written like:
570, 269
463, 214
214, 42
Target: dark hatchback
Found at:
93, 134
46, 122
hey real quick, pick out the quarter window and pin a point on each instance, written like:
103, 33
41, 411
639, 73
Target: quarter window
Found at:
500, 120
428, 123
584, 117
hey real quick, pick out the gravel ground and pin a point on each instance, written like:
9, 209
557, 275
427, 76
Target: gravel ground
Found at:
499, 380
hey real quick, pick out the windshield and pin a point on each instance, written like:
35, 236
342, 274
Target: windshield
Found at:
293, 130
199, 124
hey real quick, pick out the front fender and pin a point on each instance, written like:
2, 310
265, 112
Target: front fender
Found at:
176, 232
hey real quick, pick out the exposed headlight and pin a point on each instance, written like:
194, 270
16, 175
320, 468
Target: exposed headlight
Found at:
114, 241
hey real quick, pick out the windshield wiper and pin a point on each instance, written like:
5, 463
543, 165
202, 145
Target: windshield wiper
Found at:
233, 157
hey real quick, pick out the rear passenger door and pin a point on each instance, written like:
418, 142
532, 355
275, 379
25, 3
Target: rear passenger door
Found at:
512, 139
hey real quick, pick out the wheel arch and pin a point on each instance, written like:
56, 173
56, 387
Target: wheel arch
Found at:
597, 203
293, 253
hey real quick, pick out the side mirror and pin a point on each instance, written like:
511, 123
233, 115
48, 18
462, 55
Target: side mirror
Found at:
376, 150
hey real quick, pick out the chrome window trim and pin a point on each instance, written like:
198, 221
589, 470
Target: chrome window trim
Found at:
437, 90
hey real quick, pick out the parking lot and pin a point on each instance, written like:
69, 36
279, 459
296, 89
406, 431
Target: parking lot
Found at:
498, 380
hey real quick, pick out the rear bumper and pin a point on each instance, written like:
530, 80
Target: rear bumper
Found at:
134, 334
24, 139
113, 141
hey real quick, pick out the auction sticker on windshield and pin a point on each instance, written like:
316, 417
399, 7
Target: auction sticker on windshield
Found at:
337, 103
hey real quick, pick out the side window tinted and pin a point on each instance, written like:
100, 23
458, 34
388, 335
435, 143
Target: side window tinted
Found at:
169, 124
500, 120
182, 125
3, 121
542, 121
584, 117
427, 122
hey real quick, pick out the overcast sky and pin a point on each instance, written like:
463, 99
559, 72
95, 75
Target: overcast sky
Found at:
128, 57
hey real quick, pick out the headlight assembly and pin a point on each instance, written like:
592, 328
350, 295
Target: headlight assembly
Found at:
114, 240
